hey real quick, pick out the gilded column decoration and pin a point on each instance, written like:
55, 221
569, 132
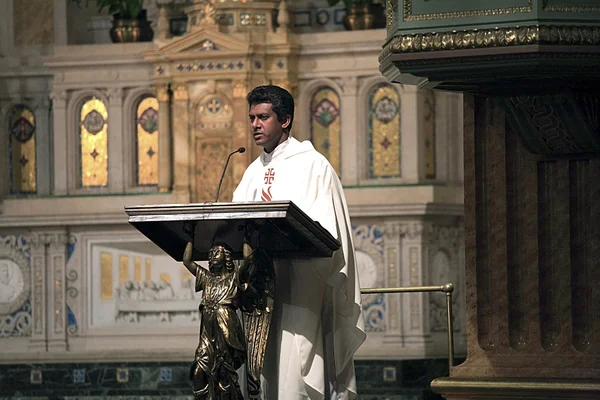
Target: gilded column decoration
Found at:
240, 89
38, 262
161, 92
181, 92
57, 250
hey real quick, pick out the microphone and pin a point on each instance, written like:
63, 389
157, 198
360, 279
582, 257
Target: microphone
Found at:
240, 150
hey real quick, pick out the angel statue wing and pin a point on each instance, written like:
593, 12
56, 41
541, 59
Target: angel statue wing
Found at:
257, 281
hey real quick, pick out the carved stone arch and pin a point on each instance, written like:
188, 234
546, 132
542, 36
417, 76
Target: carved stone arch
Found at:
303, 105
130, 105
364, 88
75, 102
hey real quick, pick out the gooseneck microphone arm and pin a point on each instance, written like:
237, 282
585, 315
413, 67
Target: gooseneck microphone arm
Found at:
240, 150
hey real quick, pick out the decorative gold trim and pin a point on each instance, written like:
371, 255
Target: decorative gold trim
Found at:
573, 9
407, 15
498, 37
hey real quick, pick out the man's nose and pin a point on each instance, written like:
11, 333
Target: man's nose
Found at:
255, 122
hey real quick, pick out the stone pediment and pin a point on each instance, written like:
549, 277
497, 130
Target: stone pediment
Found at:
200, 44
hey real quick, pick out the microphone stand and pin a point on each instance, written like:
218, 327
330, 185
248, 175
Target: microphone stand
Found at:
240, 150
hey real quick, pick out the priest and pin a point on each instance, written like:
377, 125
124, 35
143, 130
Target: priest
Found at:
317, 324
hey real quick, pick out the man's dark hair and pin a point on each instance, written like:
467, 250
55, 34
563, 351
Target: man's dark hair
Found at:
281, 99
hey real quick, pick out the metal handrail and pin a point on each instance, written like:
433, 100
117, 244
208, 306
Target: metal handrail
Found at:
447, 288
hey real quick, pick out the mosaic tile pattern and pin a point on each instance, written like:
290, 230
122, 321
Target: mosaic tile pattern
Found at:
376, 379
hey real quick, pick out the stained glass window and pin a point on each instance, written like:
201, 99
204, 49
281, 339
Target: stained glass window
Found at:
93, 122
384, 132
147, 142
21, 123
325, 124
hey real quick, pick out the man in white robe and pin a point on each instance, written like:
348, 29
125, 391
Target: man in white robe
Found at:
317, 324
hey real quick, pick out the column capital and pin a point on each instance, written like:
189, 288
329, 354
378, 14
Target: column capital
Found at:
348, 84
115, 95
181, 92
59, 97
161, 92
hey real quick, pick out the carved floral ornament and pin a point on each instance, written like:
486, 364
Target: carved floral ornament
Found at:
15, 280
498, 37
424, 231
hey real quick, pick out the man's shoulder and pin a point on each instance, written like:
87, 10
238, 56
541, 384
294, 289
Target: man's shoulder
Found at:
307, 151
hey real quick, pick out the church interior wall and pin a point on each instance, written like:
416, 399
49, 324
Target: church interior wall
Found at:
408, 228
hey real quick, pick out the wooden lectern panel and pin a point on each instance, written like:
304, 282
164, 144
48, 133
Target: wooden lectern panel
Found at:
284, 230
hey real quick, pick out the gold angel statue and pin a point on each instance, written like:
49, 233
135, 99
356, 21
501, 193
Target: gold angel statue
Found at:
222, 346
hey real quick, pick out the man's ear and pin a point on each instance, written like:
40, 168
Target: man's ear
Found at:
286, 122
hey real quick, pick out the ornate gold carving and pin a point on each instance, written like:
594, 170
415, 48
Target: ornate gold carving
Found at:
484, 38
390, 10
181, 92
573, 9
408, 16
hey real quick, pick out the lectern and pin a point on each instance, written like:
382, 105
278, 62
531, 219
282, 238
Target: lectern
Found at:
253, 233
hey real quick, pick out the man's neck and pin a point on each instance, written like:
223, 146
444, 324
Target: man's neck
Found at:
284, 139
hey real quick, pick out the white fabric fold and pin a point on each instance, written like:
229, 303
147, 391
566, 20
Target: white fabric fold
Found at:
307, 290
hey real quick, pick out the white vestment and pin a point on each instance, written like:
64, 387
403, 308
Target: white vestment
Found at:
317, 324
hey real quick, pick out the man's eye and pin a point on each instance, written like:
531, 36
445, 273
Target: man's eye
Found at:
264, 117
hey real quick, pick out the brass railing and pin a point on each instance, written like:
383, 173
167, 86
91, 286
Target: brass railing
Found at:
447, 288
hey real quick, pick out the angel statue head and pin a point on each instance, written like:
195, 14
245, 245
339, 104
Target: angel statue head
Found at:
220, 258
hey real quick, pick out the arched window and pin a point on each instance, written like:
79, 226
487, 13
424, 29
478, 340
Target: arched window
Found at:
325, 124
147, 142
21, 123
384, 132
93, 139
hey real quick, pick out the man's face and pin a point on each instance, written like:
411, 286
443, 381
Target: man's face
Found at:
267, 131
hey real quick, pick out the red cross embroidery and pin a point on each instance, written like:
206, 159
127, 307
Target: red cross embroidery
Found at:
269, 176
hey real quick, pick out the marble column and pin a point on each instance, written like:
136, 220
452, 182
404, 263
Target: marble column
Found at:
532, 244
241, 127
4, 156
182, 145
164, 140
116, 159
43, 137
61, 166
411, 140
56, 287
351, 145
38, 292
